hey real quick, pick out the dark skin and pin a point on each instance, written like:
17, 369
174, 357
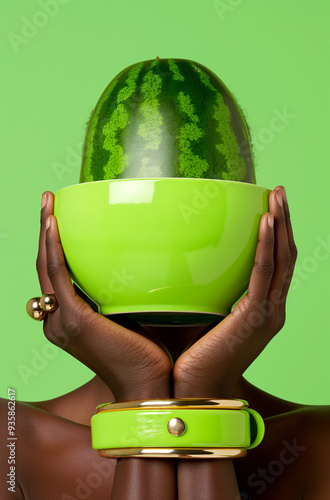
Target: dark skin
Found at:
54, 455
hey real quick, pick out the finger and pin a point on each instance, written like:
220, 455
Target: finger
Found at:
46, 210
56, 268
138, 328
292, 246
282, 256
263, 268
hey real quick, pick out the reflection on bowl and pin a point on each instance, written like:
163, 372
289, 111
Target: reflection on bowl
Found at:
163, 251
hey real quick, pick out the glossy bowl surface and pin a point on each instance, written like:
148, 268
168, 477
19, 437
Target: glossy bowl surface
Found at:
163, 251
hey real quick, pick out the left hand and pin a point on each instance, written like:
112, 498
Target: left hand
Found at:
131, 364
214, 364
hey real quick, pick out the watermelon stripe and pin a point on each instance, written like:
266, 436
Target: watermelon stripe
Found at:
195, 152
187, 107
92, 127
119, 120
150, 129
205, 79
117, 159
100, 155
236, 168
94, 135
130, 83
175, 70
190, 165
154, 63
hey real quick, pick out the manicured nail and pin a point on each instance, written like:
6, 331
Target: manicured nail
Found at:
279, 198
271, 220
43, 200
47, 222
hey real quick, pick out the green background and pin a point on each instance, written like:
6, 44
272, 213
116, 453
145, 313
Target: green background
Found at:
273, 56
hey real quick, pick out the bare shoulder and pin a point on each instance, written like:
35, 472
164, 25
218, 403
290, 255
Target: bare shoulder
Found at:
52, 453
314, 424
78, 405
292, 462
310, 423
315, 431
312, 431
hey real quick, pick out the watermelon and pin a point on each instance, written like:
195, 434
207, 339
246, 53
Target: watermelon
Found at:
167, 118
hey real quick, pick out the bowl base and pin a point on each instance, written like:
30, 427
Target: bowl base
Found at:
163, 318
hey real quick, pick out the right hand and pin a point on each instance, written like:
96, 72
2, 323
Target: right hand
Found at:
133, 366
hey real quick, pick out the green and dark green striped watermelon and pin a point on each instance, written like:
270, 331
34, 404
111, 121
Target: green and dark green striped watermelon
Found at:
167, 118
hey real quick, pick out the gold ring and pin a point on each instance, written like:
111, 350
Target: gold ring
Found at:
48, 302
38, 307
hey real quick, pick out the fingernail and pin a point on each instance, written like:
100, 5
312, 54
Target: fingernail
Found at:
47, 222
271, 220
279, 198
43, 200
284, 195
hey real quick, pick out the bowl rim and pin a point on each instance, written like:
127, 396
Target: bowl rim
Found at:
251, 185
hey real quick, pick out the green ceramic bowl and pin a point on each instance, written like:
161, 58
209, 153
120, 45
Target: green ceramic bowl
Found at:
162, 251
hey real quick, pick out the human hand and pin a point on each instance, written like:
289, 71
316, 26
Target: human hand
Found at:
214, 364
133, 366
